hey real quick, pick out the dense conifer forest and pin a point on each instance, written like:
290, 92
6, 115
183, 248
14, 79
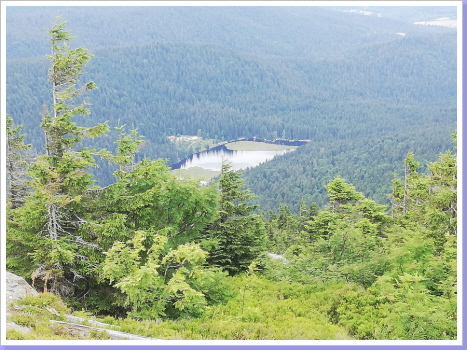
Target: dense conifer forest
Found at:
364, 95
352, 236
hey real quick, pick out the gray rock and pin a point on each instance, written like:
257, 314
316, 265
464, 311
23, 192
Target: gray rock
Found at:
17, 288
11, 325
76, 319
277, 257
113, 334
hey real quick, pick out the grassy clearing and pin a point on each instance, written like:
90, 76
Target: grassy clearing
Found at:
195, 143
256, 146
35, 312
259, 310
196, 173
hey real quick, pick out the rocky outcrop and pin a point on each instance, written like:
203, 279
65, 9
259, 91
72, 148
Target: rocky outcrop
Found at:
17, 288
277, 257
17, 327
84, 330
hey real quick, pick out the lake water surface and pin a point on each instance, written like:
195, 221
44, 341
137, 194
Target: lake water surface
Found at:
240, 160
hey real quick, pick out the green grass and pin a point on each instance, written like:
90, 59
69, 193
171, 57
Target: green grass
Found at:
33, 313
259, 309
198, 145
256, 146
196, 173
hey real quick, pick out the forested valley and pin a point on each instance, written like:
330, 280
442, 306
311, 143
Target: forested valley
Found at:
350, 237
363, 95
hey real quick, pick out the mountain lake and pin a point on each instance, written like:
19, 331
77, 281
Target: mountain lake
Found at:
239, 154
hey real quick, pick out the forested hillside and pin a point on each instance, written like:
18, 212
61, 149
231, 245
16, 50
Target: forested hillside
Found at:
169, 258
259, 30
363, 94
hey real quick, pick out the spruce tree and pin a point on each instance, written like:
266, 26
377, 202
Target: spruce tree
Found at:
17, 164
49, 220
238, 234
340, 193
428, 199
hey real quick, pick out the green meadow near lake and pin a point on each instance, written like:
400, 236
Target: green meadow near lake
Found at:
196, 173
257, 146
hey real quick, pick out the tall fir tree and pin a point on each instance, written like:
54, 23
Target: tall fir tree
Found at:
428, 199
48, 221
238, 235
17, 164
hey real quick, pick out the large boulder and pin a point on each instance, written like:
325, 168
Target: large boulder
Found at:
17, 288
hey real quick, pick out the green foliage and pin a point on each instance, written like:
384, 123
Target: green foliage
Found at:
346, 242
149, 246
42, 301
405, 268
150, 198
66, 226
399, 308
428, 199
47, 225
36, 312
17, 164
364, 99
147, 221
164, 281
322, 225
340, 192
259, 310
17, 190
237, 234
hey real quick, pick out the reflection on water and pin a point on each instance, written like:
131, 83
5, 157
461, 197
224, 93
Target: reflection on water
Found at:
212, 159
